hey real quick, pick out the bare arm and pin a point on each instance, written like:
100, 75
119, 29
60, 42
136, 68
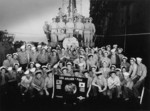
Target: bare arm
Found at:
94, 83
134, 72
144, 73
105, 82
94, 30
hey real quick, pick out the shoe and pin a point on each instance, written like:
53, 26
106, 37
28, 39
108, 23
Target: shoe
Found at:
139, 97
126, 99
74, 103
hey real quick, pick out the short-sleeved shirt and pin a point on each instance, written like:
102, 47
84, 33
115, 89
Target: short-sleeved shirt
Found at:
34, 56
100, 82
26, 81
23, 57
87, 28
69, 26
43, 58
54, 27
8, 63
79, 27
61, 25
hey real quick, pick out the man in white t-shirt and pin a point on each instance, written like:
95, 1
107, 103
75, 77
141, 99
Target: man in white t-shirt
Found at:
25, 82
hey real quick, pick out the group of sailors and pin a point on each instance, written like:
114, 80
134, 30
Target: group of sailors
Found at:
107, 70
56, 32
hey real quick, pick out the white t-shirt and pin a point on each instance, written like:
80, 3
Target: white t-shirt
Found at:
25, 81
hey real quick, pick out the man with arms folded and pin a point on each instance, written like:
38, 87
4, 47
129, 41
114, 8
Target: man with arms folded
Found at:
38, 83
99, 82
114, 85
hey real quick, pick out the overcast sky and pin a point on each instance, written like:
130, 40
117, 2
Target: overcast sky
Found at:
25, 18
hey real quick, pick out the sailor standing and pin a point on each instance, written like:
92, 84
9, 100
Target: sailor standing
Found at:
92, 31
69, 27
79, 27
53, 28
87, 32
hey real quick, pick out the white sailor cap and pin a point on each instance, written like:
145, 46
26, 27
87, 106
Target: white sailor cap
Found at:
19, 69
118, 69
132, 58
120, 49
49, 47
124, 57
106, 52
64, 68
38, 72
94, 66
104, 61
15, 54
3, 67
49, 71
37, 65
22, 47
81, 49
54, 50
8, 55
108, 45
33, 48
44, 66
115, 45
81, 56
32, 70
31, 62
103, 47
96, 49
48, 64
16, 64
113, 50
9, 69
45, 47
69, 63
113, 66
98, 73
89, 55
139, 59
39, 46
26, 72
29, 45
